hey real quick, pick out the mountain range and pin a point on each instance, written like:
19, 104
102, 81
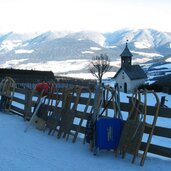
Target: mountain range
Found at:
149, 47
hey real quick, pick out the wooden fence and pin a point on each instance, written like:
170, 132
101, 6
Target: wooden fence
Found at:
22, 98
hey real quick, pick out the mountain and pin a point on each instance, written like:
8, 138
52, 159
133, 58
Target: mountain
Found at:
142, 40
148, 46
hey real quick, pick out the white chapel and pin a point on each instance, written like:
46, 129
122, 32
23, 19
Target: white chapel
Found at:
129, 76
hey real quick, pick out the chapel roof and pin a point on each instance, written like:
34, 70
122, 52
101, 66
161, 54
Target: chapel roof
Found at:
126, 52
133, 71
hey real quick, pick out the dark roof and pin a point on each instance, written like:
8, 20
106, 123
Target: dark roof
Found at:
126, 52
133, 71
26, 75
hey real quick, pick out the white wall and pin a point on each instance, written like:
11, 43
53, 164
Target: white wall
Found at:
123, 78
135, 83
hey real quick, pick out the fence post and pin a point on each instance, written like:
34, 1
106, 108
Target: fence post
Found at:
27, 107
162, 101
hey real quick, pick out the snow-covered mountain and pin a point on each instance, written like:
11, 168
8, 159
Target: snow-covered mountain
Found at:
24, 50
142, 40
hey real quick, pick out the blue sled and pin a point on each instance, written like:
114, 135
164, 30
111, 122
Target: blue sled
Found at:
108, 132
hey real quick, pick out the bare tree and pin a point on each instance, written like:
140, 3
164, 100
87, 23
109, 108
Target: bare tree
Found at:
99, 65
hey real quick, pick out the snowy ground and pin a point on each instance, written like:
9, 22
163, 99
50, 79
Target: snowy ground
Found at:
37, 151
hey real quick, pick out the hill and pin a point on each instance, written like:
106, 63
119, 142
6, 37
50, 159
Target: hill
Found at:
66, 52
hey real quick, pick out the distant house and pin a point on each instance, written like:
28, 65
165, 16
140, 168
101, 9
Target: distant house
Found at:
129, 76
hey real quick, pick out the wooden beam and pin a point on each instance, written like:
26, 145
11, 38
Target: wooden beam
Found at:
18, 110
156, 149
160, 131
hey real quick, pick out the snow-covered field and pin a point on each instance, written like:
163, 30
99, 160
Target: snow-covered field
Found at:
55, 66
36, 150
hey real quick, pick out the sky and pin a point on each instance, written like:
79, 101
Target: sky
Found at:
76, 15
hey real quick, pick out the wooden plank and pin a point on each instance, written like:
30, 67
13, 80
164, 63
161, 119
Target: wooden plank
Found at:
16, 113
28, 101
160, 131
125, 107
163, 112
83, 100
82, 129
18, 110
156, 149
18, 100
20, 90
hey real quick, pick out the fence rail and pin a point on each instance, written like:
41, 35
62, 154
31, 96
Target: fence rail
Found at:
159, 131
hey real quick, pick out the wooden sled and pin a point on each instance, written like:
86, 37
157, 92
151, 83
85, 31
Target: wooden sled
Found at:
45, 110
70, 111
106, 96
7, 87
53, 118
95, 111
34, 118
42, 108
133, 130
112, 97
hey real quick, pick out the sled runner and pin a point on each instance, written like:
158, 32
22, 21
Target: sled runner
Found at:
70, 111
7, 88
53, 119
133, 130
152, 126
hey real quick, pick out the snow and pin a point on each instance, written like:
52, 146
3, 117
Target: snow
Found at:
89, 75
140, 60
116, 63
95, 48
142, 45
85, 52
55, 66
163, 66
21, 51
25, 44
58, 67
168, 59
110, 47
10, 44
36, 150
13, 63
145, 54
151, 82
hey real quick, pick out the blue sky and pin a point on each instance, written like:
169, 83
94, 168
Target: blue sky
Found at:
76, 15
